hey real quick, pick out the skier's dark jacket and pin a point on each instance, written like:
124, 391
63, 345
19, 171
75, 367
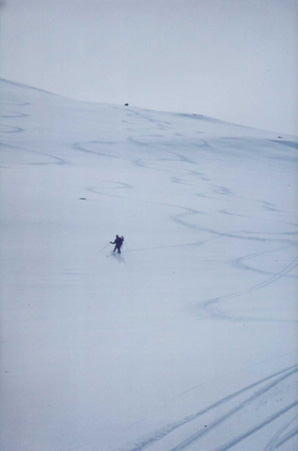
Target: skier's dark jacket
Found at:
118, 241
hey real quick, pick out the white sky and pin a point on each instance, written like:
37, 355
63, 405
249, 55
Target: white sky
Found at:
230, 59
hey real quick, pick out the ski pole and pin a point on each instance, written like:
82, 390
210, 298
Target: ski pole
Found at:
103, 248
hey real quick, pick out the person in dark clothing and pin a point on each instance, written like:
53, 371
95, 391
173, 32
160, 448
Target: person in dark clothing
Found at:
118, 243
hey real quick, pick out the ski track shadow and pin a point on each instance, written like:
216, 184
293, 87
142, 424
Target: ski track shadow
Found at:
118, 257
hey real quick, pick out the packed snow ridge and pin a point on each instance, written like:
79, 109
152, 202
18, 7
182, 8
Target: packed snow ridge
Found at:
187, 340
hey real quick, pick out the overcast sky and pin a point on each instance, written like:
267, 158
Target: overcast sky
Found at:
231, 59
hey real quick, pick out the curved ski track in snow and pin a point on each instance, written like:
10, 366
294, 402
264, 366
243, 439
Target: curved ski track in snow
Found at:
13, 129
209, 305
57, 160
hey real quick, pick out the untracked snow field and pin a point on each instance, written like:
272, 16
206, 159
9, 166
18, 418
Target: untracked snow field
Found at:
185, 341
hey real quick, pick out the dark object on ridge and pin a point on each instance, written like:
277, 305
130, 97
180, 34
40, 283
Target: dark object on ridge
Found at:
118, 243
127, 104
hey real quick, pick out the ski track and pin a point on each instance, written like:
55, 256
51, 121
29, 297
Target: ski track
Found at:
278, 377
253, 430
209, 305
81, 147
14, 115
12, 129
178, 218
281, 435
57, 160
287, 437
239, 263
12, 103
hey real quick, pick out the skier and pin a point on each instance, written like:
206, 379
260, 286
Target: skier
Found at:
118, 243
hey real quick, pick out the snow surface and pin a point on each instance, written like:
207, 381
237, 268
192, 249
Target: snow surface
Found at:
188, 339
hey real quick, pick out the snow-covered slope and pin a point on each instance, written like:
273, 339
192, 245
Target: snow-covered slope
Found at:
188, 339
